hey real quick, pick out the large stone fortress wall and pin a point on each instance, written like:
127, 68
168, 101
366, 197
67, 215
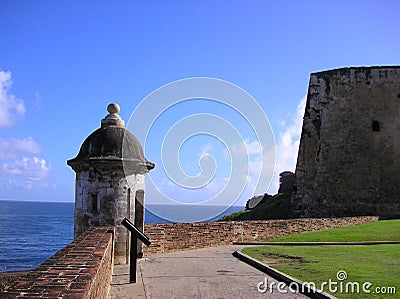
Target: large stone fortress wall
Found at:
349, 154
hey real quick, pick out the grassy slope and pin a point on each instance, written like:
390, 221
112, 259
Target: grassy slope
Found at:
378, 264
277, 207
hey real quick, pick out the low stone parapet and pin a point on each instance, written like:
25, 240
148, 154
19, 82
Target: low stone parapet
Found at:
168, 237
82, 269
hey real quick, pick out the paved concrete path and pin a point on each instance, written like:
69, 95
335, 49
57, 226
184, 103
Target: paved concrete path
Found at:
203, 273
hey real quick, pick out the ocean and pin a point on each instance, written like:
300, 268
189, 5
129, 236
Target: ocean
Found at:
31, 232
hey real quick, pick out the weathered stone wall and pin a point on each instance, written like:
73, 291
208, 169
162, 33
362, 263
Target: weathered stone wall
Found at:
349, 155
287, 182
105, 197
82, 269
168, 237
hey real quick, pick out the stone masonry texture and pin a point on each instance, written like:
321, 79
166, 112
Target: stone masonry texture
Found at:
82, 269
110, 169
168, 237
349, 155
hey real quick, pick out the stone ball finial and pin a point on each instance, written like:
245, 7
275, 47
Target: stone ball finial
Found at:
113, 119
113, 108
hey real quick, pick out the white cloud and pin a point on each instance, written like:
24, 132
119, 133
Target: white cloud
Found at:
261, 167
13, 147
25, 171
254, 167
26, 185
288, 145
246, 147
254, 164
206, 149
11, 108
38, 100
253, 148
11, 184
34, 169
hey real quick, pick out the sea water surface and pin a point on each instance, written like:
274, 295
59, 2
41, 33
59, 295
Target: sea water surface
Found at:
31, 232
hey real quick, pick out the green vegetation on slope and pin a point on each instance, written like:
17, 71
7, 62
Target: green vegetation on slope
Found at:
276, 207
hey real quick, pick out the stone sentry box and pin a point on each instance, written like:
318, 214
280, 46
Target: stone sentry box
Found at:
110, 169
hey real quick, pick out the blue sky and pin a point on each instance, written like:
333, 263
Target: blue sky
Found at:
62, 62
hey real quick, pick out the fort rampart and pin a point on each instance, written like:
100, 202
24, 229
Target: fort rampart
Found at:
168, 237
83, 269
349, 155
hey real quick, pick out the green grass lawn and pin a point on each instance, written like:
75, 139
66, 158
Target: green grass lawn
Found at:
387, 230
377, 264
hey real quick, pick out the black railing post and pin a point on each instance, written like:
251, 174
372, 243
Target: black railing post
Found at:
135, 234
133, 258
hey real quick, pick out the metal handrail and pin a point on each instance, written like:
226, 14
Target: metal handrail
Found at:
135, 234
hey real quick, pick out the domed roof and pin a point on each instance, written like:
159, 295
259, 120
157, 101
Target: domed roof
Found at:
112, 143
108, 141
